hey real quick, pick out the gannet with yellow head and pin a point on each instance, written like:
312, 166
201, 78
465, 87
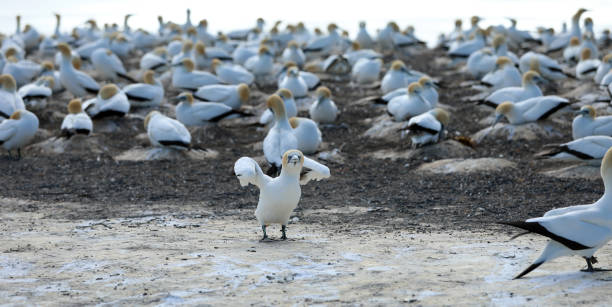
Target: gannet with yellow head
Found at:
186, 77
323, 110
504, 75
164, 131
111, 101
232, 96
10, 100
197, 113
529, 110
428, 127
280, 137
18, 130
528, 90
587, 123
35, 94
410, 105
77, 121
150, 93
232, 74
76, 82
587, 66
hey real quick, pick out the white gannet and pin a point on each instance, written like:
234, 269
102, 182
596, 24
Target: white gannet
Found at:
290, 107
244, 52
429, 90
10, 101
48, 70
186, 53
231, 74
84, 51
356, 53
198, 113
47, 47
589, 149
307, 133
294, 54
323, 110
294, 82
279, 196
545, 66
563, 39
363, 37
203, 34
147, 94
571, 53
261, 64
481, 62
108, 65
586, 123
518, 36
398, 77
175, 46
205, 55
77, 121
462, 51
121, 46
24, 71
603, 69
529, 110
164, 131
232, 96
528, 89
76, 82
428, 127
185, 77
504, 75
311, 79
35, 94
18, 130
111, 101
577, 230
366, 71
336, 64
156, 60
280, 137
587, 67
243, 34
409, 105
325, 45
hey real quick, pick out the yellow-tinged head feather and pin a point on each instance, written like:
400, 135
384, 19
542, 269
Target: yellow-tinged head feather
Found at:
16, 115
331, 27
397, 65
277, 105
50, 81
294, 122
424, 80
204, 23
574, 41
585, 54
529, 76
318, 31
289, 64
48, 65
503, 61
284, 93
188, 64
149, 77
323, 91
10, 52
292, 44
108, 91
215, 62
64, 49
414, 86
76, 62
192, 31
200, 48
442, 116
148, 118
355, 45
187, 96
608, 57
458, 23
74, 106
243, 92
292, 152
498, 40
504, 108
590, 110
474, 20
8, 82
187, 46
160, 51
263, 49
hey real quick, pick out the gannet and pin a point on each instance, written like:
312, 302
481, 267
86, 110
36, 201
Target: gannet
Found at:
121, 46
108, 65
336, 64
294, 54
164, 131
242, 34
231, 74
398, 77
10, 101
35, 94
586, 123
587, 67
290, 107
481, 62
205, 55
307, 133
156, 60
77, 121
262, 63
311, 79
280, 137
48, 70
528, 89
462, 51
603, 69
87, 49
58, 35
577, 230
363, 37
428, 127
571, 53
294, 82
143, 40
327, 44
244, 52
562, 40
516, 35
203, 34
356, 53
231, 95
323, 110
409, 105
147, 94
366, 71
175, 46
504, 75
24, 71
199, 113
18, 130
110, 102
589, 149
47, 47
545, 66
529, 110
185, 77
186, 53
279, 196
76, 82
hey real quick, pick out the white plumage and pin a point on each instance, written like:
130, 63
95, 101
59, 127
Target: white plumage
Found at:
192, 113
366, 71
77, 121
76, 82
294, 82
528, 90
166, 132
110, 102
406, 106
280, 137
107, 64
530, 110
231, 95
18, 130
586, 124
307, 133
185, 77
323, 110
147, 94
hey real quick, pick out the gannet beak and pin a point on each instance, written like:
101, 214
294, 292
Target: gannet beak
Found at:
498, 118
175, 99
541, 80
436, 85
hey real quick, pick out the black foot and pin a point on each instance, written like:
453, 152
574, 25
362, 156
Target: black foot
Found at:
265, 236
590, 268
284, 231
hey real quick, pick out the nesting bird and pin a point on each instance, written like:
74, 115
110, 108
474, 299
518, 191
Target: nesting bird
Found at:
111, 101
166, 132
192, 113
76, 82
428, 127
147, 94
528, 90
77, 121
323, 110
409, 105
10, 100
529, 110
186, 78
587, 123
231, 95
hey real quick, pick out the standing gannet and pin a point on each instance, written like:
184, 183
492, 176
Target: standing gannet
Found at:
323, 110
428, 127
111, 101
280, 137
311, 79
294, 82
203, 34
185, 77
232, 96
166, 132
586, 123
294, 54
147, 94
307, 133
156, 60
290, 107
528, 89
563, 40
363, 37
48, 70
529, 110
205, 55
18, 130
192, 113
10, 101
231, 74
76, 82
603, 69
545, 66
577, 230
430, 90
587, 67
409, 105
504, 75
366, 71
35, 94
109, 66
279, 196
77, 121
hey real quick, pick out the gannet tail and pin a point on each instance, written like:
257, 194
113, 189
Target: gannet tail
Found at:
532, 267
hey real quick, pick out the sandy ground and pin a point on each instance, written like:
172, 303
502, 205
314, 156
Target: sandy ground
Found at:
207, 259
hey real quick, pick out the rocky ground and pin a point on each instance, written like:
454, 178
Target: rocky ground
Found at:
96, 224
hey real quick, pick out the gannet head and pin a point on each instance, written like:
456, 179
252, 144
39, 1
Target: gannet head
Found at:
76, 62
607, 58
192, 31
203, 23
48, 81
503, 109
503, 61
8, 82
148, 118
200, 48
498, 41
585, 54
292, 72
187, 64
161, 51
57, 16
587, 111
458, 23
579, 13
215, 63
323, 92
441, 115
64, 49
332, 27
243, 92
16, 115
185, 97
12, 59
398, 65
531, 77
264, 50
148, 77
574, 41
108, 91
355, 45
318, 31
290, 64
294, 122
284, 93
427, 82
475, 20
393, 25
47, 66
10, 52
362, 24
414, 88
187, 46
74, 106
292, 44
293, 160
276, 105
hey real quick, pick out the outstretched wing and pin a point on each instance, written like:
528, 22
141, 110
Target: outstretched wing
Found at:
317, 171
248, 171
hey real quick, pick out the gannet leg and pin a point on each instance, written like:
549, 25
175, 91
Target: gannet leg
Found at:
18, 153
590, 261
265, 236
284, 231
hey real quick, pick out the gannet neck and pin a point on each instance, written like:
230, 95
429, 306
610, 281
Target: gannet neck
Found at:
606, 174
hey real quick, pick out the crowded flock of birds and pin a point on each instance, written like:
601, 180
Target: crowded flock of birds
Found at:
214, 75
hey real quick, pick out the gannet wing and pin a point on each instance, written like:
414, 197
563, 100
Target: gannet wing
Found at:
7, 130
317, 171
87, 82
560, 211
248, 171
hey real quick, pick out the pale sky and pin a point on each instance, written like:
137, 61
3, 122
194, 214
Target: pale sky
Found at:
429, 17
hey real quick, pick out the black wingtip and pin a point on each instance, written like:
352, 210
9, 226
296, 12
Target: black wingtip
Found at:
529, 269
126, 77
